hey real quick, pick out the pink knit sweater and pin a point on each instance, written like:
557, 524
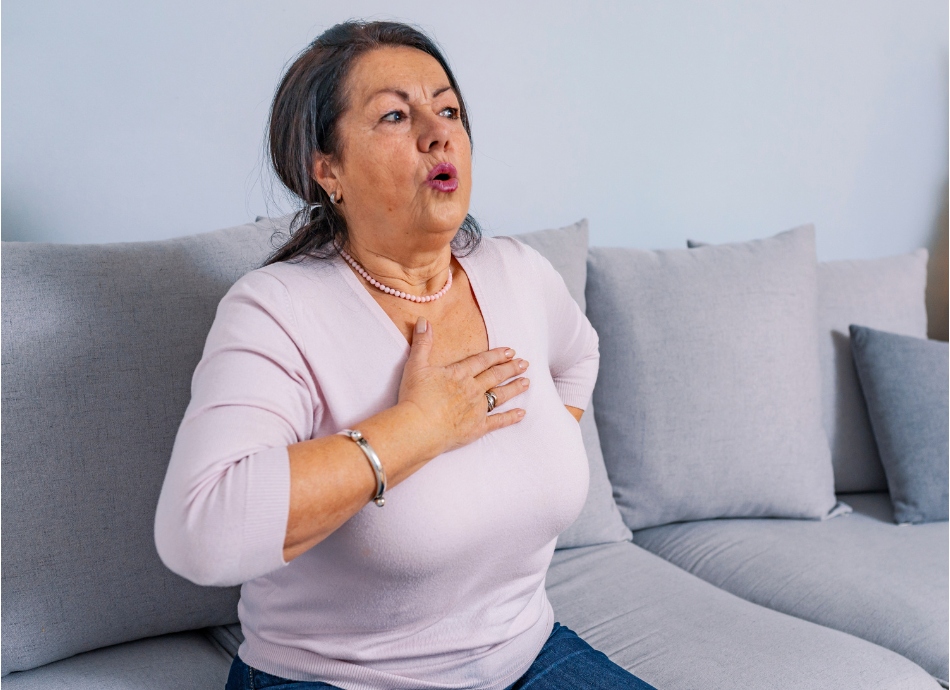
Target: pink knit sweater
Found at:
444, 586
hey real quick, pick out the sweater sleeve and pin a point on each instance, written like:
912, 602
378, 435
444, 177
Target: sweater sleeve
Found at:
574, 354
222, 513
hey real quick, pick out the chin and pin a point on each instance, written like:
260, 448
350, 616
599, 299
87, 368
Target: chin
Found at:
447, 223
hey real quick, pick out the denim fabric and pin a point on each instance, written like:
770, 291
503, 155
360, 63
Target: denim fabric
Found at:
244, 677
565, 661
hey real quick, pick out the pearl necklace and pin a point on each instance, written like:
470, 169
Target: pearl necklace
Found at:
392, 291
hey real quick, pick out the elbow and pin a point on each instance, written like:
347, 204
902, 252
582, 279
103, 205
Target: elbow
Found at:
192, 554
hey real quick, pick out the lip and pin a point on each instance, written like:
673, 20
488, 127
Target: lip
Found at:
449, 181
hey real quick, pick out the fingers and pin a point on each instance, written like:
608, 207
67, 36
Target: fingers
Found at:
421, 344
499, 420
501, 372
505, 393
473, 365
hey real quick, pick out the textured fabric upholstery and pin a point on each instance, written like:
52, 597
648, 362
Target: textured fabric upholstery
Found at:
709, 395
904, 380
599, 521
99, 345
888, 294
885, 293
677, 632
859, 573
566, 249
183, 661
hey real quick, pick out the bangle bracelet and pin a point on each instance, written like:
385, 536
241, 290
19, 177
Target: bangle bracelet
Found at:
373, 461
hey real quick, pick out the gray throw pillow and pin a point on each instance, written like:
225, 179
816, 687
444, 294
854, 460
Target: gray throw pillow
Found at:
887, 294
904, 380
599, 521
708, 400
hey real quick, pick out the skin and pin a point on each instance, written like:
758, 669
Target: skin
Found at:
400, 121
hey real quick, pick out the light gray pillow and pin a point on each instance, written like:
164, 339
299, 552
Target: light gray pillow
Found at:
904, 380
709, 395
599, 521
101, 342
885, 293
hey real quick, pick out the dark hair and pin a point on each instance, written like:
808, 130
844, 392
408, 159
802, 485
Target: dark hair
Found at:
303, 119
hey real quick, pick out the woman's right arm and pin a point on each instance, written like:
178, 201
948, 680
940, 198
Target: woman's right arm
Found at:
247, 488
439, 408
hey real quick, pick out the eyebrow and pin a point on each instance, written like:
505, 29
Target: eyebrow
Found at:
405, 96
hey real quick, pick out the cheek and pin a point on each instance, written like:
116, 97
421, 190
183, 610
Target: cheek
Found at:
382, 169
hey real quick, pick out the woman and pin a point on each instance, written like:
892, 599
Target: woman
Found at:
411, 554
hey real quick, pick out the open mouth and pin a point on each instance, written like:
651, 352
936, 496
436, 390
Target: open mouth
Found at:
443, 178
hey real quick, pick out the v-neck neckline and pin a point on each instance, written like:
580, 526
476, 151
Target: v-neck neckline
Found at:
358, 286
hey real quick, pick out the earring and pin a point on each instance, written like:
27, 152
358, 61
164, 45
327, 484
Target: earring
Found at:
333, 199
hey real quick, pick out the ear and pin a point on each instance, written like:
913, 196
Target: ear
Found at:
323, 170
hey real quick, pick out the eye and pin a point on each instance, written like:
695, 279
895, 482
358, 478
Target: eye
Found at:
450, 112
394, 116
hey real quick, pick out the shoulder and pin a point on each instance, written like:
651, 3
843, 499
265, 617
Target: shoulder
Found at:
509, 251
284, 281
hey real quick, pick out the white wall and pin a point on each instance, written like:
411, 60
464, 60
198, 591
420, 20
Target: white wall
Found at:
656, 120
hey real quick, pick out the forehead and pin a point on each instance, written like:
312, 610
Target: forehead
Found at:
394, 67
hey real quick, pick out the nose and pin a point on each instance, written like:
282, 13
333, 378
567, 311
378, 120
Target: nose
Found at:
435, 133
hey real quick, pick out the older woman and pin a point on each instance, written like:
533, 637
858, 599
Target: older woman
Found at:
363, 450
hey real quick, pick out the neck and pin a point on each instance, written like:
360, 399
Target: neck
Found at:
414, 271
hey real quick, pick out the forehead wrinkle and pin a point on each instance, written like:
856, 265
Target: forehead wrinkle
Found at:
404, 95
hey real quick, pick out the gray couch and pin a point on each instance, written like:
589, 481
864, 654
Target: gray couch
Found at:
99, 345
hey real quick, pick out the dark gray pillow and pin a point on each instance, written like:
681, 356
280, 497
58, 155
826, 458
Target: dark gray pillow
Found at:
904, 381
599, 521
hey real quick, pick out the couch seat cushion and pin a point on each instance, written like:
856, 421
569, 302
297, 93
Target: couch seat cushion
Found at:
676, 631
859, 573
184, 661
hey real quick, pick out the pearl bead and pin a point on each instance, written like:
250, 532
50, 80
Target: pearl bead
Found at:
392, 291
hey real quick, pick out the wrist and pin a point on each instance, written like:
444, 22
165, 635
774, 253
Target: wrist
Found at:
418, 430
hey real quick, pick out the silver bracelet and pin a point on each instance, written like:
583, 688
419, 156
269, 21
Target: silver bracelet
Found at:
373, 461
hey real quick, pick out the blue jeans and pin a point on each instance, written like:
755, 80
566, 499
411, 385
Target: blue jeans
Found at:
565, 661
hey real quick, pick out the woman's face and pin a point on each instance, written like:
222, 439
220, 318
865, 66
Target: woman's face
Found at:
405, 167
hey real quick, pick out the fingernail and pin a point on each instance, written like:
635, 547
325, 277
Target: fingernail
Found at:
522, 364
524, 383
521, 413
509, 353
421, 325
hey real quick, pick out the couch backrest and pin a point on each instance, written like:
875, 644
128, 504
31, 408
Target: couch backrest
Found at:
99, 344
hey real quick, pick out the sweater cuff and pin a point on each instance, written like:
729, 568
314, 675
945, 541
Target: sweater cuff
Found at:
574, 393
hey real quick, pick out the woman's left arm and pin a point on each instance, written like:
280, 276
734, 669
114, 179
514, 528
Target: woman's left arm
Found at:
574, 354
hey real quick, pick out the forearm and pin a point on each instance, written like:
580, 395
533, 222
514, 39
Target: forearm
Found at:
331, 479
